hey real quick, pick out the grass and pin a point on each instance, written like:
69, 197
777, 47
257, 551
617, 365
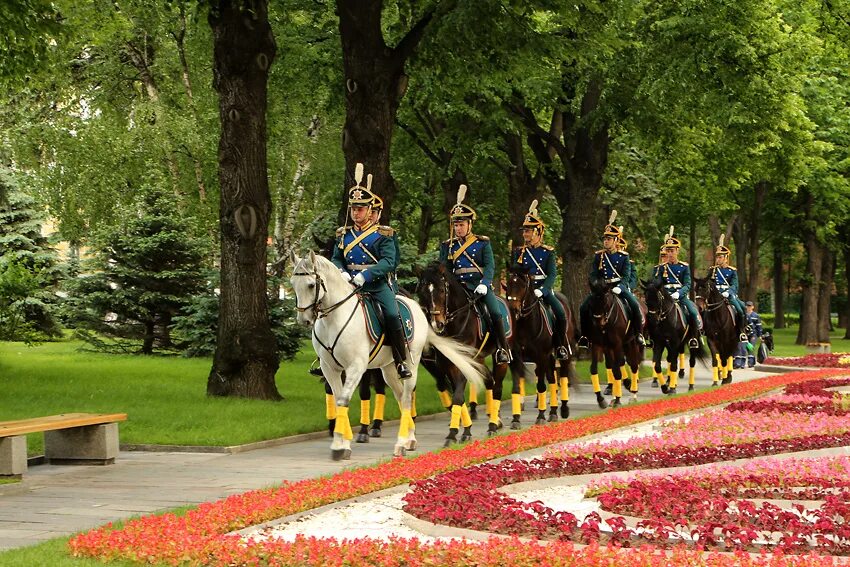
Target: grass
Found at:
784, 342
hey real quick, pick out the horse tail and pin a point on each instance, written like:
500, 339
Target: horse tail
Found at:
461, 355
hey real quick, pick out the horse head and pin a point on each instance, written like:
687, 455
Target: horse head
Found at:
517, 288
601, 301
433, 293
314, 279
658, 299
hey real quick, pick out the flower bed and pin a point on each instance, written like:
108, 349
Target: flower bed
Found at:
201, 536
705, 508
819, 360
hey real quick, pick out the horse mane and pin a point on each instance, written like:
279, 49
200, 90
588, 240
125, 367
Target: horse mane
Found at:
432, 271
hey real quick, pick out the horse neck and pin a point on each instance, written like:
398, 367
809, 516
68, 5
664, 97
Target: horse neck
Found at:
336, 290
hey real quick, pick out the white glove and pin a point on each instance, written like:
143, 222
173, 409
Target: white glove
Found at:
481, 289
617, 289
346, 276
538, 292
725, 294
675, 295
359, 279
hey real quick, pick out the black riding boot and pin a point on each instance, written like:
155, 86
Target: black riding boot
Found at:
742, 327
561, 352
399, 346
502, 355
584, 324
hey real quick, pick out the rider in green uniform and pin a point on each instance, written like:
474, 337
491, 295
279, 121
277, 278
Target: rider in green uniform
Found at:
675, 276
726, 279
470, 258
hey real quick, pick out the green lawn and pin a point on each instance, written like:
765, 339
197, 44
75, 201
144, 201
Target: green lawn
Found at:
784, 342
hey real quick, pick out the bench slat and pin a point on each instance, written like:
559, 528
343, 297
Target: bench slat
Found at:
53, 422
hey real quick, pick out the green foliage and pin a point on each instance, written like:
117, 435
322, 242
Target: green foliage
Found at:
197, 326
144, 273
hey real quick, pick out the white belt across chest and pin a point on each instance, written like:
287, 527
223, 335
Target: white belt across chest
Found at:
612, 280
539, 277
461, 271
721, 286
358, 267
677, 285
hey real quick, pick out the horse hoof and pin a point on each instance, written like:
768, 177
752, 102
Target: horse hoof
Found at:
601, 401
633, 399
609, 389
681, 373
362, 438
664, 388
715, 384
670, 391
410, 445
449, 441
655, 382
465, 437
540, 421
346, 454
690, 387
399, 451
375, 432
553, 417
726, 381
616, 403
565, 410
473, 412
516, 425
339, 454
491, 432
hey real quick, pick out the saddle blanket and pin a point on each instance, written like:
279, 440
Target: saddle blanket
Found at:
374, 323
484, 324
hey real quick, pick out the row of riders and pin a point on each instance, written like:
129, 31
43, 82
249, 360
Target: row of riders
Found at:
459, 325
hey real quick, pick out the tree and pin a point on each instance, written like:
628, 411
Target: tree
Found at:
144, 273
245, 360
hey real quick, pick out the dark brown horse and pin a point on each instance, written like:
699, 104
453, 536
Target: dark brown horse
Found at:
718, 316
668, 328
533, 343
611, 341
451, 311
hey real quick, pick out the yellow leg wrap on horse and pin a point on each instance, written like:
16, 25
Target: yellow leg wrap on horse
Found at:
465, 420
365, 410
404, 425
488, 398
594, 379
473, 393
717, 356
673, 378
522, 387
691, 375
454, 423
516, 406
380, 402
413, 404
635, 381
728, 365
610, 375
715, 374
330, 406
541, 401
662, 378
681, 360
624, 372
496, 406
343, 426
553, 395
565, 389
617, 390
445, 399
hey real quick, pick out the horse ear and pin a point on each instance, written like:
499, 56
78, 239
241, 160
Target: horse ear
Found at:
294, 258
313, 259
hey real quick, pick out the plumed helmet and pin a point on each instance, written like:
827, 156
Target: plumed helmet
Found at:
671, 241
622, 242
462, 211
359, 195
721, 250
611, 229
532, 218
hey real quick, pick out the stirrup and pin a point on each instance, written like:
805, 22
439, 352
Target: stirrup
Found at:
561, 353
501, 356
641, 341
315, 369
583, 342
403, 371
744, 338
693, 343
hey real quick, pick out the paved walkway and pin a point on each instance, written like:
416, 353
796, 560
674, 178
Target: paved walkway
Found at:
54, 501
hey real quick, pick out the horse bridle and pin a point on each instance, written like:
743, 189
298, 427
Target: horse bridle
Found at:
607, 316
318, 311
666, 312
449, 315
712, 306
525, 310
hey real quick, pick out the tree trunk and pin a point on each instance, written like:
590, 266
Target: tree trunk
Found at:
739, 231
374, 85
692, 251
581, 217
825, 295
245, 360
147, 340
523, 188
778, 288
808, 331
847, 275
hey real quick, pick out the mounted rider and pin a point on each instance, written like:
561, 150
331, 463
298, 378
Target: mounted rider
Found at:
540, 261
470, 258
726, 280
611, 265
366, 256
675, 276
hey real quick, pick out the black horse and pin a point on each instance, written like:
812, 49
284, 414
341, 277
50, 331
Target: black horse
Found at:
611, 340
718, 316
451, 311
533, 340
668, 327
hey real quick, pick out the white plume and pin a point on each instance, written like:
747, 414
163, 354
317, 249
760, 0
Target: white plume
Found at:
358, 173
461, 193
722, 238
532, 209
613, 217
671, 231
369, 182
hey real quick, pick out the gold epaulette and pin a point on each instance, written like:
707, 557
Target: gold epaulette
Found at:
600, 251
484, 238
624, 253
547, 247
340, 231
683, 263
448, 242
386, 230
733, 267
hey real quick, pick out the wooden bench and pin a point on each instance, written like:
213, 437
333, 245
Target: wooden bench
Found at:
69, 438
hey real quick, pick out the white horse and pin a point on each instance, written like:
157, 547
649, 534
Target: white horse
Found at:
325, 300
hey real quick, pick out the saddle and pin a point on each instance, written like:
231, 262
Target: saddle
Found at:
483, 321
375, 317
